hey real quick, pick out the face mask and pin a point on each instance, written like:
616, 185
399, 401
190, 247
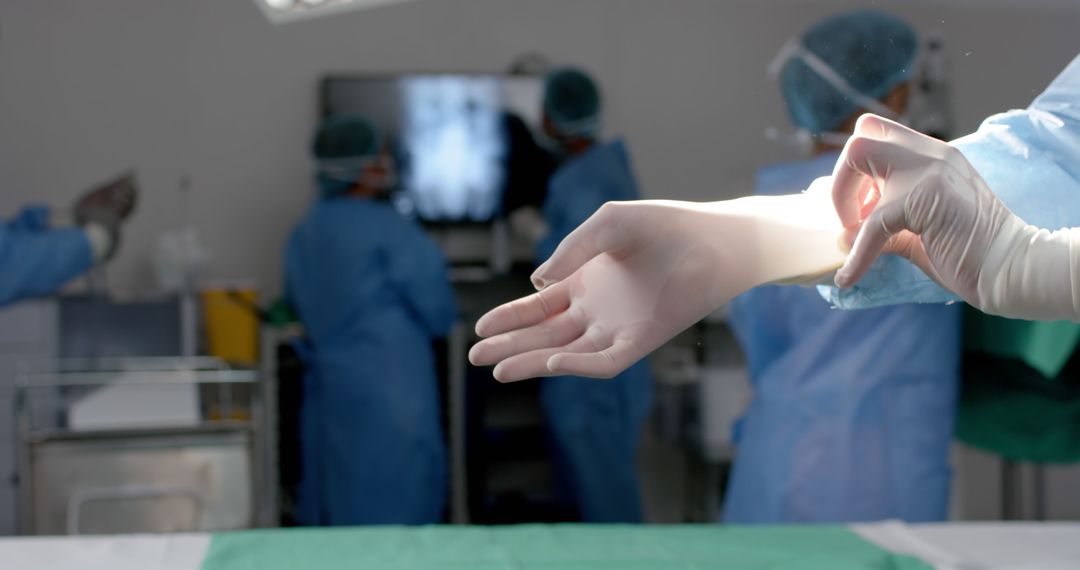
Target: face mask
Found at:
359, 170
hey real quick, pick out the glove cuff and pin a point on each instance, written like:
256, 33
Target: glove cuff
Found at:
1031, 273
102, 241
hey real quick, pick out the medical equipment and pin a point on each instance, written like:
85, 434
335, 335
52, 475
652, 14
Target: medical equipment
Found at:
287, 11
930, 107
446, 132
95, 459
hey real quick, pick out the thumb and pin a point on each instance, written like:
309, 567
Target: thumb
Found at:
884, 222
600, 233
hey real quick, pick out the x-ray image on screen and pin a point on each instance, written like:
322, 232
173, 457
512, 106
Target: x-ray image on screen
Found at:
450, 135
452, 146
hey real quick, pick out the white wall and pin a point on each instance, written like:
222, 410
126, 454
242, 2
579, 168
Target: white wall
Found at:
208, 89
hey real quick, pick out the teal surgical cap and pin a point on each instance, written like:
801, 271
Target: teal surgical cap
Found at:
345, 137
572, 103
342, 146
871, 51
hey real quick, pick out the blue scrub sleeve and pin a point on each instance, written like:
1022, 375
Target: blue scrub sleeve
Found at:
564, 212
35, 263
32, 218
419, 271
1030, 158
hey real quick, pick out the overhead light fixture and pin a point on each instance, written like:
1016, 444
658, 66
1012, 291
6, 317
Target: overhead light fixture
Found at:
284, 11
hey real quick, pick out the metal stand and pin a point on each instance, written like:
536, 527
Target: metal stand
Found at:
64, 469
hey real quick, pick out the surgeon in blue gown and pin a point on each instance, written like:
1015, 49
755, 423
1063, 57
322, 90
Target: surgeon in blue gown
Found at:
852, 412
372, 292
37, 257
595, 426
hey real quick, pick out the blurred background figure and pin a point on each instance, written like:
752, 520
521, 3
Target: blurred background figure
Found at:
595, 426
38, 255
529, 166
852, 412
372, 292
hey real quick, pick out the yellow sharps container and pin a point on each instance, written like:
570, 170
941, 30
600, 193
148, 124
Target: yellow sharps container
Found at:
232, 324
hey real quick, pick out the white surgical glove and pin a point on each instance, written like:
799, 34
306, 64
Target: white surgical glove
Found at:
101, 241
910, 194
635, 274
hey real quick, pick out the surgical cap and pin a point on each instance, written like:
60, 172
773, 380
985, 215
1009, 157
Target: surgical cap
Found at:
873, 51
341, 146
572, 102
345, 137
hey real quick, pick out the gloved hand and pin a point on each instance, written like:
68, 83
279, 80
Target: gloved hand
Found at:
898, 191
105, 208
635, 274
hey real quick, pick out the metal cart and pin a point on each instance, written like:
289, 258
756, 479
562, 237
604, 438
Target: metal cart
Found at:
143, 445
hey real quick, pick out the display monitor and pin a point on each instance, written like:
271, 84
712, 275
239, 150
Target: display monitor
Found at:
448, 133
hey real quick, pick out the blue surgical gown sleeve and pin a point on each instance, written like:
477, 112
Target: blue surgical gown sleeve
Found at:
419, 271
35, 261
1030, 158
32, 218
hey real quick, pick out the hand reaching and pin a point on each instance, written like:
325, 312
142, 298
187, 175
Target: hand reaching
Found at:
636, 274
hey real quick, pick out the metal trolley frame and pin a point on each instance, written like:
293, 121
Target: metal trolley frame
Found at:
211, 379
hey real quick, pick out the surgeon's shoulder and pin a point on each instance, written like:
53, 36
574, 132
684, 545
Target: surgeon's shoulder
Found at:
792, 177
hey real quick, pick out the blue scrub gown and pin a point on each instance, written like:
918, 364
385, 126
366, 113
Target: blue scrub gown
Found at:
36, 260
852, 413
372, 292
595, 424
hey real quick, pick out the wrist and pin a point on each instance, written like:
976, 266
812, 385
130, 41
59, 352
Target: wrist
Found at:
783, 239
1031, 273
101, 241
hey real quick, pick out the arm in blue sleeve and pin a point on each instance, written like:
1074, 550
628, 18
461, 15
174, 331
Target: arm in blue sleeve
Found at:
418, 268
1030, 159
34, 263
34, 218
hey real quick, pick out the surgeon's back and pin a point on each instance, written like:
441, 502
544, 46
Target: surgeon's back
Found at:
356, 270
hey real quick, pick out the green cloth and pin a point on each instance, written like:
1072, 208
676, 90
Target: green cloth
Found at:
1010, 409
281, 314
1045, 346
562, 547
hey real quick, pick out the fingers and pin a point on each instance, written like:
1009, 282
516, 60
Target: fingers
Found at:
597, 235
534, 364
910, 246
524, 312
551, 333
877, 147
886, 221
853, 178
603, 364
